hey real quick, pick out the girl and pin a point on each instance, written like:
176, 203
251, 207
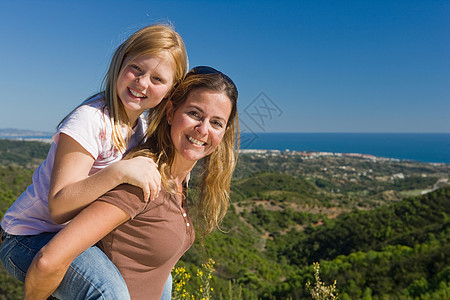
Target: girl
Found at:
145, 240
84, 160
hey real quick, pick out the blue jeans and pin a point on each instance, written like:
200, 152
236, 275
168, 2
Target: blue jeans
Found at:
90, 276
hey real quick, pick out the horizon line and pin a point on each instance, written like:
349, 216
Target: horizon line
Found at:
279, 132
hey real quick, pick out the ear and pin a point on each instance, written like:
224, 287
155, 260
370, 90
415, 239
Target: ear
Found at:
169, 112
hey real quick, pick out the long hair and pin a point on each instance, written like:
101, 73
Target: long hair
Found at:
217, 168
155, 40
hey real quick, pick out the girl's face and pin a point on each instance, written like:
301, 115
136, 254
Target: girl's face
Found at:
199, 124
144, 82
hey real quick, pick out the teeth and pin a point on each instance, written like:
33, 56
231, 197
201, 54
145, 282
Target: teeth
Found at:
195, 141
137, 94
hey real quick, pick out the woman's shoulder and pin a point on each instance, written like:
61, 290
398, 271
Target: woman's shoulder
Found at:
127, 197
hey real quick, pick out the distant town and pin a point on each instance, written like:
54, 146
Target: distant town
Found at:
316, 154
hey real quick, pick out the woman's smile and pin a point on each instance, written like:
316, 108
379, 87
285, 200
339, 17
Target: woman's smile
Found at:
199, 124
196, 142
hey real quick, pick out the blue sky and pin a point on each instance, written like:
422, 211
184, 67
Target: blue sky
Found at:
300, 66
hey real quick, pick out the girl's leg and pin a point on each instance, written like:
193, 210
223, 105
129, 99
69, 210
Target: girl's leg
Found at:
90, 276
17, 252
167, 294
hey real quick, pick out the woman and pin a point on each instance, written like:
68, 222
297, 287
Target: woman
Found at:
145, 240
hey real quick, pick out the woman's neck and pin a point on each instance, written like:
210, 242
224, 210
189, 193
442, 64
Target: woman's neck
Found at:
180, 170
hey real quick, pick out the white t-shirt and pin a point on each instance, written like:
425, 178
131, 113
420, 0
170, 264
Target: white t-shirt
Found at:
90, 126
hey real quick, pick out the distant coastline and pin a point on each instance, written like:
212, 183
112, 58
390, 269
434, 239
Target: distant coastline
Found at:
424, 147
25, 135
13, 132
43, 139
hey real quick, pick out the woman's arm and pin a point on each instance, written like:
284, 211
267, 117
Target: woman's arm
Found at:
51, 263
71, 189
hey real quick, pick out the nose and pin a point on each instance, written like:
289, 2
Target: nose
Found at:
143, 80
202, 127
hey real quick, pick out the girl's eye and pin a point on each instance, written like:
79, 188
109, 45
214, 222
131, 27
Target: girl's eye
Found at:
157, 79
136, 68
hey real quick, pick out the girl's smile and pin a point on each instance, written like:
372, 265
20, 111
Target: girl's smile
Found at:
144, 82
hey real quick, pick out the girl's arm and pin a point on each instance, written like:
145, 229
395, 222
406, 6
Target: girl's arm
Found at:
51, 263
71, 189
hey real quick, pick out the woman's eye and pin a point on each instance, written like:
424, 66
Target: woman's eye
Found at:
217, 124
194, 114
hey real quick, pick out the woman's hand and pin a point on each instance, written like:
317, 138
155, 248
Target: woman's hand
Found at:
141, 172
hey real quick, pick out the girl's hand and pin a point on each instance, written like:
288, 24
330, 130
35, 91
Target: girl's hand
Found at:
141, 172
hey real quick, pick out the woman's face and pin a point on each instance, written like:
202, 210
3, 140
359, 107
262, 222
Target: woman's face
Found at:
144, 82
199, 124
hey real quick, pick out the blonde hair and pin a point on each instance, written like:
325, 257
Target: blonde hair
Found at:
217, 168
153, 39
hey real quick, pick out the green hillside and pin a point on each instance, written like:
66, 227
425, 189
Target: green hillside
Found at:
396, 251
366, 224
409, 222
26, 154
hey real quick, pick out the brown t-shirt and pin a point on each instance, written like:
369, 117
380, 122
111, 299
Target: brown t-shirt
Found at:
146, 248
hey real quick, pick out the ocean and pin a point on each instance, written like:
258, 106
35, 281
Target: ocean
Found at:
425, 147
